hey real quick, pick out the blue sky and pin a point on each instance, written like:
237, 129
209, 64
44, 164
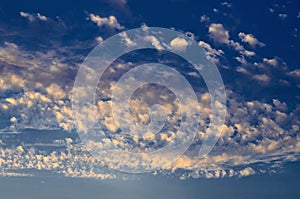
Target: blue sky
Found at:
253, 44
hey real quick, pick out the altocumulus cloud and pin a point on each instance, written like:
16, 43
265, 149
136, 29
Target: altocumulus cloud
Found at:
255, 133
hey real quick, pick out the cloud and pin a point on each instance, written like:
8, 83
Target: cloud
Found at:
111, 21
228, 5
179, 44
212, 53
127, 40
272, 62
99, 39
41, 17
238, 47
32, 17
55, 91
295, 73
154, 41
13, 120
248, 53
282, 15
250, 39
204, 18
255, 131
246, 172
262, 77
218, 33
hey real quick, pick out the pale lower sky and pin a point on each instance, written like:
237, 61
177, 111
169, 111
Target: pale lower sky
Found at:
280, 185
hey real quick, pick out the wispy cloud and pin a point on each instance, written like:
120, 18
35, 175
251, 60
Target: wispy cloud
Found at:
33, 17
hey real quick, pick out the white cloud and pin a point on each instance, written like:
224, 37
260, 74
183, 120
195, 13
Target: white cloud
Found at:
250, 39
48, 104
218, 33
42, 17
127, 40
55, 91
246, 172
32, 17
282, 15
179, 44
111, 21
234, 149
242, 60
99, 39
272, 62
212, 53
154, 41
13, 120
248, 53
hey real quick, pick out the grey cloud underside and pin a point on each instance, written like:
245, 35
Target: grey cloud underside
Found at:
38, 133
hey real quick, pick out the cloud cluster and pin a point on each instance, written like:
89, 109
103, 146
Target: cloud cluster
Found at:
218, 33
110, 21
256, 132
250, 39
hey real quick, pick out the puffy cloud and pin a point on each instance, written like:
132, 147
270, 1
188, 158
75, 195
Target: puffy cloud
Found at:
246, 172
11, 81
127, 40
272, 62
233, 155
248, 53
250, 39
255, 132
110, 21
218, 33
55, 91
179, 44
212, 53
99, 39
13, 119
154, 41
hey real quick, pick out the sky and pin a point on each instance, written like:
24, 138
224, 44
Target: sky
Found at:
52, 100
